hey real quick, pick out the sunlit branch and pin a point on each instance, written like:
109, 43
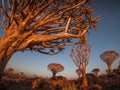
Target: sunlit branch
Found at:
33, 16
36, 38
67, 25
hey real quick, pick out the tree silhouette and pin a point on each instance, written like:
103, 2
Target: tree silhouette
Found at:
42, 25
80, 56
109, 57
10, 71
55, 68
96, 71
22, 76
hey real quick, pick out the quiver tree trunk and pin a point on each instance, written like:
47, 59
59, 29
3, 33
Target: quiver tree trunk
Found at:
84, 84
109, 68
7, 49
54, 74
3, 64
84, 81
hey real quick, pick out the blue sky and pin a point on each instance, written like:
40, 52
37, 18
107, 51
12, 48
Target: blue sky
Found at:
107, 38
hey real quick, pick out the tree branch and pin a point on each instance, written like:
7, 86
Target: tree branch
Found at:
31, 16
66, 29
38, 38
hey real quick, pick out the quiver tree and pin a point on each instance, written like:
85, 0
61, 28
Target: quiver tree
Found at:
9, 71
96, 71
109, 57
42, 25
55, 68
80, 55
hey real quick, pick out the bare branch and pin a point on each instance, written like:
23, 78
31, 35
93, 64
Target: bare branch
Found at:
66, 29
38, 12
3, 6
37, 38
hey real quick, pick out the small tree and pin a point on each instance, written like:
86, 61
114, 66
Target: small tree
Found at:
55, 68
80, 56
22, 76
10, 71
109, 57
96, 71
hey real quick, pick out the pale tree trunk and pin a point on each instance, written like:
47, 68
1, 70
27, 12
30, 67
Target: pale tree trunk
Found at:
84, 84
109, 68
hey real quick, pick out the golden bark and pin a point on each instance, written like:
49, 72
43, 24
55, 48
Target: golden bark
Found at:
84, 84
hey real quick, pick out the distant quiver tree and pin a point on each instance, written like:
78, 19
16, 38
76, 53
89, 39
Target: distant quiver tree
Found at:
80, 55
55, 68
44, 26
96, 71
109, 57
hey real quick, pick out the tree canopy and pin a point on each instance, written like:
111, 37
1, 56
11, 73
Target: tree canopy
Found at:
55, 68
45, 26
96, 71
42, 24
109, 57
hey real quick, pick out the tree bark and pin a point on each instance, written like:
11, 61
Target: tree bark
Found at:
84, 84
6, 51
54, 74
110, 68
3, 64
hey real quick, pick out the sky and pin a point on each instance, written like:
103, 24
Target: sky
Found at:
107, 38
